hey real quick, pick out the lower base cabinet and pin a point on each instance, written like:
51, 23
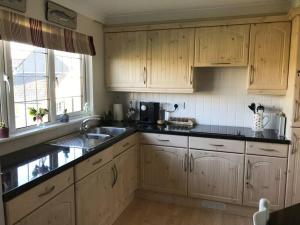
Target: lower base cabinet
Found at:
94, 195
58, 211
265, 177
164, 169
216, 176
104, 194
126, 180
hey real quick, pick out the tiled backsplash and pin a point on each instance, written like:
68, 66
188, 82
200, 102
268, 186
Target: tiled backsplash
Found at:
222, 99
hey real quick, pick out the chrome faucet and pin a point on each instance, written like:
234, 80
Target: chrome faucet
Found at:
84, 124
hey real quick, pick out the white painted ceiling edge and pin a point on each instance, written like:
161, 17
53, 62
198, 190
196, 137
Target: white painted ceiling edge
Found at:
239, 9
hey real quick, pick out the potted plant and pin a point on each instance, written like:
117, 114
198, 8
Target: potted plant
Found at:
4, 131
38, 114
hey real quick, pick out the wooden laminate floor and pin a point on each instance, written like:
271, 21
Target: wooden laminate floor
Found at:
145, 212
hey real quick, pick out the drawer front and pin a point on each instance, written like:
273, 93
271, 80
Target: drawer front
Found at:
221, 145
93, 163
268, 149
124, 144
164, 140
27, 202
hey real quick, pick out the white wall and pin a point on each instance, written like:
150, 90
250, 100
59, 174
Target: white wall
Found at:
101, 101
222, 99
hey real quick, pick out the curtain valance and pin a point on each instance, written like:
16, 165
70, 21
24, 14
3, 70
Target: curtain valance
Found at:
18, 28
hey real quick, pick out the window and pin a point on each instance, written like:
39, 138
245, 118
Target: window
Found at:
69, 80
30, 81
41, 78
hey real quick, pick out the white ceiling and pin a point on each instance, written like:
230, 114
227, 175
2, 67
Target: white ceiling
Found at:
134, 11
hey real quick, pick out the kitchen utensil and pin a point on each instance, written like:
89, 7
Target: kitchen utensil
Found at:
118, 112
252, 107
260, 109
258, 122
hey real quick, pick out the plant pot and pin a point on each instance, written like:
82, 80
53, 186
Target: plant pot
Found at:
4, 132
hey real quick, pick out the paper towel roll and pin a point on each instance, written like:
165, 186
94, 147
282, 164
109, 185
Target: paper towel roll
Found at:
118, 112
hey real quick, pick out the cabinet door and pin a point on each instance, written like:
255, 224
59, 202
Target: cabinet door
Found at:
170, 57
126, 179
58, 211
293, 185
164, 169
222, 46
216, 176
125, 60
269, 57
265, 177
94, 197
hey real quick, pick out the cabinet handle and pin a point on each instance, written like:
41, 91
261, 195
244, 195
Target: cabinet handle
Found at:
145, 75
192, 75
114, 176
249, 185
248, 170
47, 192
126, 144
97, 162
191, 163
295, 144
117, 172
185, 162
215, 145
296, 113
251, 74
163, 140
268, 149
221, 63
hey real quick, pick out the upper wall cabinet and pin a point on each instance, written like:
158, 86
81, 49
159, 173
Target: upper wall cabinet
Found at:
170, 59
269, 58
222, 46
125, 60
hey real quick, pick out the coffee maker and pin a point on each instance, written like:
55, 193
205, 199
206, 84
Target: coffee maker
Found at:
149, 112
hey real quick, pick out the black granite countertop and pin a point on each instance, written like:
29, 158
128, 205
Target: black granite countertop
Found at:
286, 216
26, 168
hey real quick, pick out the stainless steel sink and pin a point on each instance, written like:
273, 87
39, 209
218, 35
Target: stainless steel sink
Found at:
111, 131
93, 138
86, 141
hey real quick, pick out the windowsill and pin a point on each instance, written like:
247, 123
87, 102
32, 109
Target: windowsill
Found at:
43, 129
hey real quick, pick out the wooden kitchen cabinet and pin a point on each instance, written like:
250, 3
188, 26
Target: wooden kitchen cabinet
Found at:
58, 211
216, 176
222, 46
164, 169
265, 177
125, 60
293, 179
269, 58
126, 167
170, 60
94, 195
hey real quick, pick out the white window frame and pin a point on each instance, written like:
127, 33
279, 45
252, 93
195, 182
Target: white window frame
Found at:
7, 94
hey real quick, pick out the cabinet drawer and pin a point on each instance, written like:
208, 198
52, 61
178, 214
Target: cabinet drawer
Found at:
91, 164
268, 149
221, 145
124, 144
27, 202
164, 140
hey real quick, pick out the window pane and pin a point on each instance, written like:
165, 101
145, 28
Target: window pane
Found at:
69, 79
30, 81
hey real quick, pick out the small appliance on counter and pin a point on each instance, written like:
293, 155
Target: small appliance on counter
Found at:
149, 112
118, 112
281, 124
